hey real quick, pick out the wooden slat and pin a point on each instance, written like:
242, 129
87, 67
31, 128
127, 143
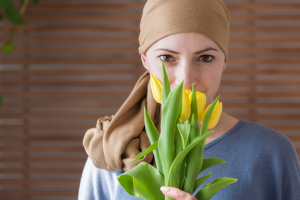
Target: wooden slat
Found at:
40, 149
266, 116
46, 127
286, 128
80, 72
136, 28
138, 61
85, 17
137, 17
79, 50
47, 39
39, 193
42, 160
135, 50
132, 83
264, 17
62, 105
41, 138
126, 94
262, 105
71, 61
72, 39
86, 7
40, 171
137, 72
77, 28
96, 116
65, 94
117, 105
80, 7
39, 182
76, 127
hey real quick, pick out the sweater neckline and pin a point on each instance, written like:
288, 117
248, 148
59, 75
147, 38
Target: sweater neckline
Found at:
230, 131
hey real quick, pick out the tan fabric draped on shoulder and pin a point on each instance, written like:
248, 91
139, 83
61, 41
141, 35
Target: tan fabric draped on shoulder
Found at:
119, 138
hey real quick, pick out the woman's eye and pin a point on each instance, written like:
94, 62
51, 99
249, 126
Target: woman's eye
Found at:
166, 58
206, 58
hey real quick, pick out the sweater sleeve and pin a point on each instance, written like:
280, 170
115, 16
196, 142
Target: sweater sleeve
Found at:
99, 184
290, 172
281, 164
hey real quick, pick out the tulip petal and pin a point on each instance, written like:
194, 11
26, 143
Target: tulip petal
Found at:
215, 116
156, 87
186, 108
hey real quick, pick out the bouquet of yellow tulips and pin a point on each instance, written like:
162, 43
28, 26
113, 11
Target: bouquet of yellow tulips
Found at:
178, 150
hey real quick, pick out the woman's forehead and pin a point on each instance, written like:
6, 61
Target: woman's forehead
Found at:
184, 41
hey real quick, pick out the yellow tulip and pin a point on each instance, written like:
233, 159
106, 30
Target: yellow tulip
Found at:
215, 116
186, 107
188, 91
156, 86
201, 102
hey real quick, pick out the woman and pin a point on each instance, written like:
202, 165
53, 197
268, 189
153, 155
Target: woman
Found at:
191, 38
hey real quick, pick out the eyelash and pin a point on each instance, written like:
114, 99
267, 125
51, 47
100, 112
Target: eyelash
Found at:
212, 58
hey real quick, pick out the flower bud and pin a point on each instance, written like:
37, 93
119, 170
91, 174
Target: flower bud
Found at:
156, 86
215, 116
201, 102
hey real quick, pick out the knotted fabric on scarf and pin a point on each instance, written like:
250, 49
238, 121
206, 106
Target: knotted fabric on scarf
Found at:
119, 138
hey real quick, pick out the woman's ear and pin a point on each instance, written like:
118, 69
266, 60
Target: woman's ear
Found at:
144, 60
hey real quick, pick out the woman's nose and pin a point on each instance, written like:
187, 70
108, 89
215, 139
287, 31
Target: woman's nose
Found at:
188, 75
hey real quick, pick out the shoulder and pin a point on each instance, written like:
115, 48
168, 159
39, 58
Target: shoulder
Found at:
266, 139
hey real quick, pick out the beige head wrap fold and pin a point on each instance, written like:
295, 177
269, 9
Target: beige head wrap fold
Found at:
161, 18
119, 138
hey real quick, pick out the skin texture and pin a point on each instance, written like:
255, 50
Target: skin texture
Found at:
192, 68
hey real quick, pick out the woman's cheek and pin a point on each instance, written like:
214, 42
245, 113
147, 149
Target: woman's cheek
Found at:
213, 83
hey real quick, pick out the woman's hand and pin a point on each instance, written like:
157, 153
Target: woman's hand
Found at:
176, 194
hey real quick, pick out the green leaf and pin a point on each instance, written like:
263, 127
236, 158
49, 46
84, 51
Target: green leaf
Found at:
1, 16
213, 187
182, 173
177, 141
172, 180
194, 108
166, 86
209, 162
35, 1
207, 116
194, 158
201, 180
139, 155
170, 117
143, 181
6, 3
184, 130
7, 47
153, 136
13, 15
143, 153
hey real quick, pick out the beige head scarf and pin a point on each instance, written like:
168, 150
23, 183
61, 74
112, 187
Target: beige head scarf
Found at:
119, 138
161, 18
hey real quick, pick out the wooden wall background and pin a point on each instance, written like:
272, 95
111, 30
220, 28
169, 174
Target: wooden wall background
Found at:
78, 61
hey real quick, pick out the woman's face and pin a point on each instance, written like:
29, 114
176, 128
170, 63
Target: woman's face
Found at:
191, 57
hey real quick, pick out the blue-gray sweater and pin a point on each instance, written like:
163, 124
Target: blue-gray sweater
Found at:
264, 161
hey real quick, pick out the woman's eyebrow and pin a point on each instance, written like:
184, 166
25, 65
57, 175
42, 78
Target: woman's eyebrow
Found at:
198, 52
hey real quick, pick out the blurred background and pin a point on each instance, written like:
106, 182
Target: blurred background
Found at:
76, 61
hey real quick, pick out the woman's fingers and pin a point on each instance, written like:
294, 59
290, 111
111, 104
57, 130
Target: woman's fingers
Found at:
176, 194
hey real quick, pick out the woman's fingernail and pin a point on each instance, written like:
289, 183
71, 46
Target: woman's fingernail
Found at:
164, 189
